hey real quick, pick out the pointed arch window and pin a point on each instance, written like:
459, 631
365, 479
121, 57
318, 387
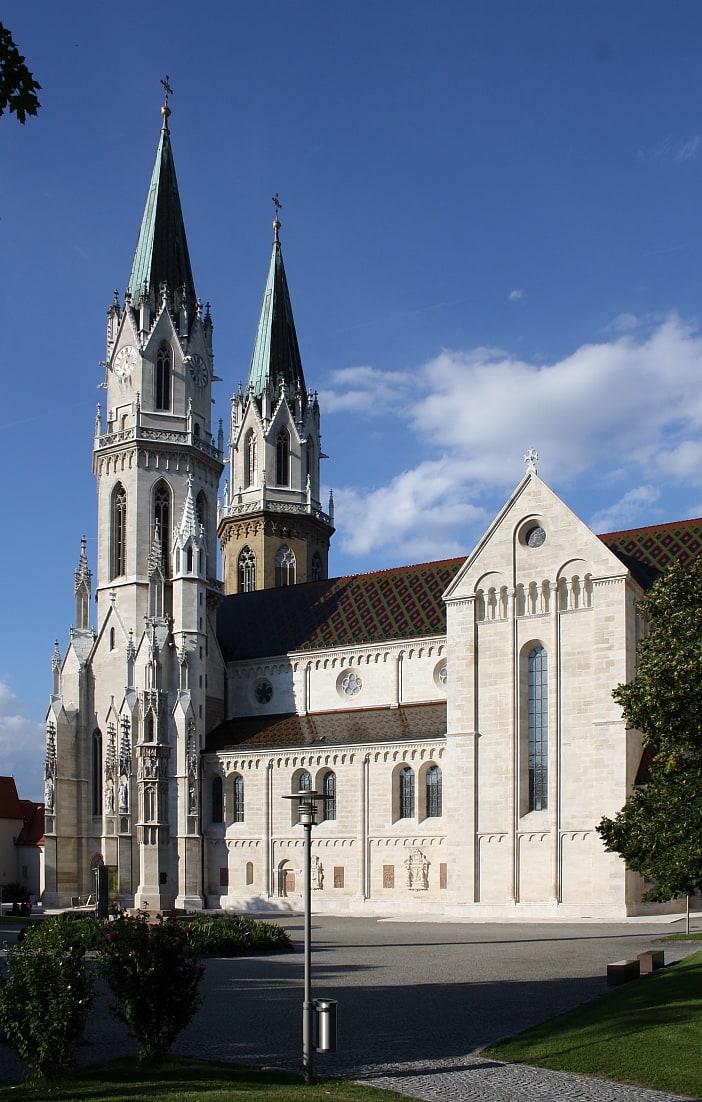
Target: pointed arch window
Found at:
282, 458
316, 568
162, 523
285, 566
250, 459
538, 729
201, 509
119, 531
406, 782
247, 570
97, 773
163, 378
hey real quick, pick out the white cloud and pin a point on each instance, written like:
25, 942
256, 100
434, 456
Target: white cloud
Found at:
364, 390
628, 405
673, 149
22, 743
515, 295
633, 507
622, 323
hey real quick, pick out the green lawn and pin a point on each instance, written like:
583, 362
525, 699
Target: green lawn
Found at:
182, 1080
648, 1032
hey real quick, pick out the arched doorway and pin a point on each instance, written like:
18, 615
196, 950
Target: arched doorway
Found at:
286, 879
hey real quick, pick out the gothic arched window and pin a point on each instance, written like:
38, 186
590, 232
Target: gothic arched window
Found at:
250, 459
247, 570
238, 808
305, 782
316, 568
119, 531
538, 729
406, 782
285, 566
201, 509
97, 773
163, 378
162, 522
282, 458
433, 791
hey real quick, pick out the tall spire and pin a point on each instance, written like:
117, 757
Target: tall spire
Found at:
162, 251
276, 354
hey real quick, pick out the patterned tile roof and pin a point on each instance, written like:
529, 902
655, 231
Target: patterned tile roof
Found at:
362, 725
647, 551
388, 604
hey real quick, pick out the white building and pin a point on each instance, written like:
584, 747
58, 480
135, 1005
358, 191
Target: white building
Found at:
457, 715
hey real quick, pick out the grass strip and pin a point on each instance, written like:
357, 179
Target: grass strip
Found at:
186, 1080
648, 1032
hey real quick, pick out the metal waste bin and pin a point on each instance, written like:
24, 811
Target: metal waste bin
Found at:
324, 1029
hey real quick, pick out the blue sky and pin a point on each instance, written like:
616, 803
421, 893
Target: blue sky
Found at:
492, 232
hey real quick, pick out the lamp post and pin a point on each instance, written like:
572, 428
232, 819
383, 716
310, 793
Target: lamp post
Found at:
307, 811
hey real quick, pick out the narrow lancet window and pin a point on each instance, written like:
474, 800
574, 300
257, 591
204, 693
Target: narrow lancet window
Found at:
538, 729
119, 531
282, 458
163, 378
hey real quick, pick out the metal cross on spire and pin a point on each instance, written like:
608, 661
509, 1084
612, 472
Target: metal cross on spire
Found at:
278, 207
168, 91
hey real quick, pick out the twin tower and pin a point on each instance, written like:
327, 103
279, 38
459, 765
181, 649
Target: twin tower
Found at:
134, 696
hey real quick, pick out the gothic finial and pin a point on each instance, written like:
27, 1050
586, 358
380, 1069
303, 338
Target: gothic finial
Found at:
56, 657
276, 220
165, 110
531, 458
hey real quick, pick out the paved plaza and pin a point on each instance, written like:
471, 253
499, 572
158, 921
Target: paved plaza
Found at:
417, 1000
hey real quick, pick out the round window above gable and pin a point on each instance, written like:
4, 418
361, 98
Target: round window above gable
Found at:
263, 691
533, 532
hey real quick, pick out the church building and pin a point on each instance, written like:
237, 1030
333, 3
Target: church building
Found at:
457, 716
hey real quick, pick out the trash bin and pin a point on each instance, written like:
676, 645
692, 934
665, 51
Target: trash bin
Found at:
324, 1025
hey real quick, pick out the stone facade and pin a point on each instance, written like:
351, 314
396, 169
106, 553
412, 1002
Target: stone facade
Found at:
457, 716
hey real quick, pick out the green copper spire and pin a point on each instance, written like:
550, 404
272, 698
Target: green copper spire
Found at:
162, 251
276, 353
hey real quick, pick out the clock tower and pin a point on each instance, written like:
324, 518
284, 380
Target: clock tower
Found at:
129, 710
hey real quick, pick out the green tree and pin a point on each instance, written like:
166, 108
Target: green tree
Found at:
658, 832
18, 88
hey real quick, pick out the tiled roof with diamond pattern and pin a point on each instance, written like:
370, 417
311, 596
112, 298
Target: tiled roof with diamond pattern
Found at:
361, 725
647, 551
388, 604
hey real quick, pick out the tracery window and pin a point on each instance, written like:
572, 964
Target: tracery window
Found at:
250, 459
538, 729
238, 792
247, 570
406, 782
119, 531
285, 566
305, 782
162, 522
433, 791
316, 568
97, 773
282, 458
163, 378
201, 509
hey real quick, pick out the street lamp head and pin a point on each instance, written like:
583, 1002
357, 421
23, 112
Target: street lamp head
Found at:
307, 805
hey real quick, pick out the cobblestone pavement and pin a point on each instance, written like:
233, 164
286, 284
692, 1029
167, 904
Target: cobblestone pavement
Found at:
416, 1001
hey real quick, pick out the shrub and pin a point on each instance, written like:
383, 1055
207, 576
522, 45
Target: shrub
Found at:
154, 975
234, 935
43, 1007
64, 931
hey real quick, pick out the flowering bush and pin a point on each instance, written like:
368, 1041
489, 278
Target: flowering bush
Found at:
64, 931
43, 1007
154, 976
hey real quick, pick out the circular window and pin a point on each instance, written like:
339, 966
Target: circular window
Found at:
350, 684
535, 536
263, 691
441, 674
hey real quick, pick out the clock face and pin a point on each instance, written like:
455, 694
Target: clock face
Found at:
198, 370
125, 361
